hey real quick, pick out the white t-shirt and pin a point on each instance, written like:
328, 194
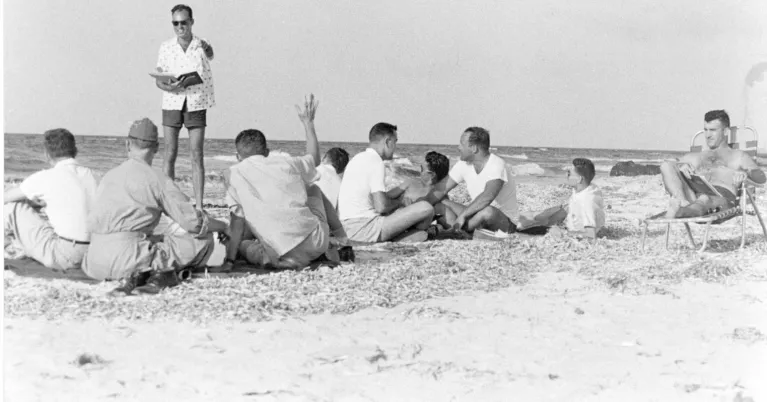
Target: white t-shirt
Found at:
586, 208
364, 175
494, 169
329, 182
69, 191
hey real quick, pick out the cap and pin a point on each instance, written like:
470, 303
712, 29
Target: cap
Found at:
143, 129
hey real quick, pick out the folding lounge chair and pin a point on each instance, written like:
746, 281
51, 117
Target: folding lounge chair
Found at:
746, 194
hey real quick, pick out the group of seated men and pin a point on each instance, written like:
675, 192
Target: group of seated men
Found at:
137, 226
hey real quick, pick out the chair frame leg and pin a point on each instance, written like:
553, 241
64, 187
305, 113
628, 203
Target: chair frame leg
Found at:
705, 238
644, 234
689, 234
758, 216
668, 232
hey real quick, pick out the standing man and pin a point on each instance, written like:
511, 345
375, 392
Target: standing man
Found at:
493, 191
186, 101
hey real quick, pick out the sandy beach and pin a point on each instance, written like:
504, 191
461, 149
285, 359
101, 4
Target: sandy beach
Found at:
533, 318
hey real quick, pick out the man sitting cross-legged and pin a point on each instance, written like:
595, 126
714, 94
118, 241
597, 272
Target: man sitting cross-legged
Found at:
143, 228
274, 199
725, 168
368, 212
584, 214
67, 190
493, 192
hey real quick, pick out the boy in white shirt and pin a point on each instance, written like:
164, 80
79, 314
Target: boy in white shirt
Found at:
492, 189
67, 191
331, 172
583, 215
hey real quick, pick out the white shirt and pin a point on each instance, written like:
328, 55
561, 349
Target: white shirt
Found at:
586, 208
69, 191
363, 176
495, 168
329, 182
173, 59
272, 194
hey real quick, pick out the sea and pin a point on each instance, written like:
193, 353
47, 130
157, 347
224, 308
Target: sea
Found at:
23, 156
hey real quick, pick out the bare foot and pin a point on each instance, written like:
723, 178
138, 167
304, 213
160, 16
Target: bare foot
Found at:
673, 208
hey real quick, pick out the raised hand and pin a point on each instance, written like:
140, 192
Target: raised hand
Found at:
309, 110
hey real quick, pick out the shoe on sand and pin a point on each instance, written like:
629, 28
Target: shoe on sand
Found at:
158, 281
127, 285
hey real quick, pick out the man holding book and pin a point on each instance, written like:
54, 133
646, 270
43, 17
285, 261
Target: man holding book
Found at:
708, 181
185, 101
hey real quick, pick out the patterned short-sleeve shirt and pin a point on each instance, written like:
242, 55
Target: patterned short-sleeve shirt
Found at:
172, 58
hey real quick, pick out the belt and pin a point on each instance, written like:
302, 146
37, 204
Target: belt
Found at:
74, 241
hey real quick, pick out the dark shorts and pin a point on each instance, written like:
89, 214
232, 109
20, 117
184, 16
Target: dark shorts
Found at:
178, 118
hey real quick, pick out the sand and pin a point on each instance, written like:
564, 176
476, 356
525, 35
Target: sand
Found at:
608, 324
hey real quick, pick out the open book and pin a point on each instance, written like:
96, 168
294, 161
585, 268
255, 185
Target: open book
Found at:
192, 78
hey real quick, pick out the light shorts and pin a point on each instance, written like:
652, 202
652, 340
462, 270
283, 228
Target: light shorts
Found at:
365, 230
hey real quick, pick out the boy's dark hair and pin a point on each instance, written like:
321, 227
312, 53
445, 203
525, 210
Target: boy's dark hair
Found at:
439, 164
585, 168
182, 7
338, 158
382, 131
720, 115
60, 143
480, 137
251, 142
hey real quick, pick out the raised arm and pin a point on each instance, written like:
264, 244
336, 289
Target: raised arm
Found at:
307, 118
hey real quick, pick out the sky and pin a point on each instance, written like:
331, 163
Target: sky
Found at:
633, 74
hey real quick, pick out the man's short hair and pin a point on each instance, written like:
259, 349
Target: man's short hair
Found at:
338, 158
382, 131
60, 143
720, 115
250, 142
182, 7
439, 164
480, 137
585, 168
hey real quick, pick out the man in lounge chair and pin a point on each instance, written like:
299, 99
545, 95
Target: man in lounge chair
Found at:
493, 191
67, 190
725, 168
279, 217
132, 238
369, 213
584, 213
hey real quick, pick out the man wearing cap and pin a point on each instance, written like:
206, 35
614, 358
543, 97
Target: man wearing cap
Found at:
129, 241
67, 191
185, 102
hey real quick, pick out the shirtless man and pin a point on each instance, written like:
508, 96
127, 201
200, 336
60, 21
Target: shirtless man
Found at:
725, 168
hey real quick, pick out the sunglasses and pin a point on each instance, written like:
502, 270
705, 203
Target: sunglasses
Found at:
176, 23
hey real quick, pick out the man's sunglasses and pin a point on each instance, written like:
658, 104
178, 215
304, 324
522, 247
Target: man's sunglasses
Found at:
176, 23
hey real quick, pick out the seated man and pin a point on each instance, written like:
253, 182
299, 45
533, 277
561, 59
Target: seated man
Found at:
331, 172
492, 190
584, 214
67, 191
125, 241
274, 198
725, 168
368, 212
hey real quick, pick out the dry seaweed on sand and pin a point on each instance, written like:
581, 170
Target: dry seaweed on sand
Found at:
418, 272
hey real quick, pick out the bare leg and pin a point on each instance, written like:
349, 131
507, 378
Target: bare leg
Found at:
700, 207
451, 211
490, 218
418, 215
171, 150
196, 143
674, 183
